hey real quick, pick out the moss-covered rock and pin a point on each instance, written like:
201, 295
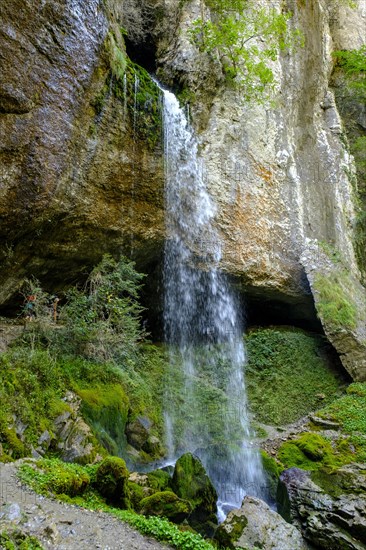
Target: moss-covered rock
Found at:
255, 525
311, 451
330, 508
159, 480
137, 493
231, 530
190, 482
111, 481
12, 443
166, 504
105, 408
273, 471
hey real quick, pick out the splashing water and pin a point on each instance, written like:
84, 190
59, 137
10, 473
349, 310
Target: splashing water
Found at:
205, 398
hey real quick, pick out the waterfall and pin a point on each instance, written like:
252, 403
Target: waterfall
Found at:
205, 398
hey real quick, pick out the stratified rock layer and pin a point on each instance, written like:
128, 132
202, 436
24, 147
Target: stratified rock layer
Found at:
331, 512
78, 180
75, 179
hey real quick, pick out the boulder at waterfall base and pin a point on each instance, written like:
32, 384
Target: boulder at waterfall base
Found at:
255, 525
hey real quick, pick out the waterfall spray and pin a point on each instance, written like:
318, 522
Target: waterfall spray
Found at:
205, 401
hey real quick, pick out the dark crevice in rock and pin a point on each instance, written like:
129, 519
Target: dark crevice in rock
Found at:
143, 54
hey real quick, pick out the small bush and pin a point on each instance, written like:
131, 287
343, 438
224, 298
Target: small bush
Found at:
57, 477
16, 540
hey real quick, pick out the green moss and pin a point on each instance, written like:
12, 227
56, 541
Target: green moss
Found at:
335, 305
349, 412
144, 102
118, 57
111, 481
12, 443
228, 535
290, 366
159, 528
5, 459
159, 480
337, 483
273, 470
105, 408
136, 493
166, 504
191, 483
311, 452
32, 385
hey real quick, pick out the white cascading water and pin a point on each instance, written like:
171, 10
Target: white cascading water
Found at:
205, 397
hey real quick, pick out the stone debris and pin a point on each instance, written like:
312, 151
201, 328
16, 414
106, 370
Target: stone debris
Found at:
60, 526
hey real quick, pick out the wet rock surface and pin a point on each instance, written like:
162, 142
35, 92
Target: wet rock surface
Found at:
75, 180
61, 526
329, 508
255, 525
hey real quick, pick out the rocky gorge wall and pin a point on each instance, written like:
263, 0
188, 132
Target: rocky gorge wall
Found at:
78, 180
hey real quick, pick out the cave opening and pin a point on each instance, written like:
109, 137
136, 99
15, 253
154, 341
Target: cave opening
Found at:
144, 54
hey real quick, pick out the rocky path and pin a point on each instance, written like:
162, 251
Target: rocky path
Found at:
60, 526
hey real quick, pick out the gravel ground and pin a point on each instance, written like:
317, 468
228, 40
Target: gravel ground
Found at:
60, 526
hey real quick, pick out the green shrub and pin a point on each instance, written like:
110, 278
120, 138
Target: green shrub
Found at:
57, 477
16, 540
102, 321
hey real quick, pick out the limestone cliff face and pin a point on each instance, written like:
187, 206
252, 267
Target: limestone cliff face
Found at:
77, 179
282, 174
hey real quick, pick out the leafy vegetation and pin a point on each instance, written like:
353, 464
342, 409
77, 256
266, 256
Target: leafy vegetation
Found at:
353, 62
349, 412
351, 94
288, 366
246, 38
40, 477
96, 352
16, 540
102, 320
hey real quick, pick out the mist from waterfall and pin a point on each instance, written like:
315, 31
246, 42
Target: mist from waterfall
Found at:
205, 398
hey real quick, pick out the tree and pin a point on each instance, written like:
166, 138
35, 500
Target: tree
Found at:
353, 62
245, 38
102, 320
